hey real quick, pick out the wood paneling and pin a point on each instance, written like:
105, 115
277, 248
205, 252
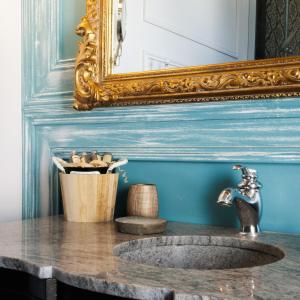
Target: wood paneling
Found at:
225, 132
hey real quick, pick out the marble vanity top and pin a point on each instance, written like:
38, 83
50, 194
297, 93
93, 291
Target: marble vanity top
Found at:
81, 255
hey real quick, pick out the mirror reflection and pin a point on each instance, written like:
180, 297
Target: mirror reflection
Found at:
161, 34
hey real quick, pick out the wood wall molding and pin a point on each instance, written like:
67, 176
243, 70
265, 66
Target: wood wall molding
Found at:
251, 131
269, 133
45, 75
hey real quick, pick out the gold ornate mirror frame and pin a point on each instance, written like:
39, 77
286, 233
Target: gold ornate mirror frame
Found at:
95, 85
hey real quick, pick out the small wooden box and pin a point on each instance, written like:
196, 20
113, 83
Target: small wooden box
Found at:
89, 198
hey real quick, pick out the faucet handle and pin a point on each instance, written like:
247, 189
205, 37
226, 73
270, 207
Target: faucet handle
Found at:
249, 178
246, 171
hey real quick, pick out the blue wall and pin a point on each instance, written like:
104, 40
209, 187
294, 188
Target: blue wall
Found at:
187, 150
70, 13
188, 192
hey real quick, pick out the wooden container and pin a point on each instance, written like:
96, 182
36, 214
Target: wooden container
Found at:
142, 201
89, 198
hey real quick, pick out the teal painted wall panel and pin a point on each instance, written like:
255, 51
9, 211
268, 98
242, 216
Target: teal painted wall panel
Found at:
187, 150
188, 192
71, 13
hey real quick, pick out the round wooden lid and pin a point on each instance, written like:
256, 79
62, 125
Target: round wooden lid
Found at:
141, 225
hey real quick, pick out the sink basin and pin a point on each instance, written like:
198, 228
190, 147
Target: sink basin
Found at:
198, 252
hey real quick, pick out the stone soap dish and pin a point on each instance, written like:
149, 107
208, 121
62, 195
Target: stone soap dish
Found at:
141, 225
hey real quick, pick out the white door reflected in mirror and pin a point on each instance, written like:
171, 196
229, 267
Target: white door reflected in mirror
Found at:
161, 34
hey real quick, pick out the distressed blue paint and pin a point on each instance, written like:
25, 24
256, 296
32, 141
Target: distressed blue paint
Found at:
187, 150
71, 12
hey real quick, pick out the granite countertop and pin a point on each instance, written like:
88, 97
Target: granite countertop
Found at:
81, 255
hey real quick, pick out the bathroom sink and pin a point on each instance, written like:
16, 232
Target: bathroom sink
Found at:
198, 252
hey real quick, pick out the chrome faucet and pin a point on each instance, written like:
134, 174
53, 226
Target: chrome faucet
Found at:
247, 200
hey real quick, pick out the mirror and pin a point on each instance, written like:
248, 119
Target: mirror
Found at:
168, 51
160, 34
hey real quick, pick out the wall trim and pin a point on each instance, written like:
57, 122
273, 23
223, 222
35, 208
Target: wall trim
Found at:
45, 74
194, 133
258, 131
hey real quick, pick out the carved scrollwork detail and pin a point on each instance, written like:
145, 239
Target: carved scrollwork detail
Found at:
91, 8
220, 82
87, 66
86, 62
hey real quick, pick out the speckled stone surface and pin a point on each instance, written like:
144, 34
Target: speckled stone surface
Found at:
82, 255
198, 252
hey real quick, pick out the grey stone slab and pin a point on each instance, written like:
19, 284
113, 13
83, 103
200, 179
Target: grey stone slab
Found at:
85, 256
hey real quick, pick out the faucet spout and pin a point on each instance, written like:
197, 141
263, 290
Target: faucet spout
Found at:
226, 197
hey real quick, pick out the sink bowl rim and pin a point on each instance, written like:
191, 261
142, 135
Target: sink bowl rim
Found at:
241, 243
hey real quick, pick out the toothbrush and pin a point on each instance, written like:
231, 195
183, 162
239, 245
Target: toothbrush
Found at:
56, 161
117, 164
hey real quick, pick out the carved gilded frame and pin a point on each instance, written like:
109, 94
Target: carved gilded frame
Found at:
95, 85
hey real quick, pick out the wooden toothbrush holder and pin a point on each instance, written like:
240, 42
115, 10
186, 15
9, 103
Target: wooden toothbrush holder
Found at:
89, 198
142, 201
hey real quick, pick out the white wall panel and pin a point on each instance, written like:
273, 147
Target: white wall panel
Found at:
10, 112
